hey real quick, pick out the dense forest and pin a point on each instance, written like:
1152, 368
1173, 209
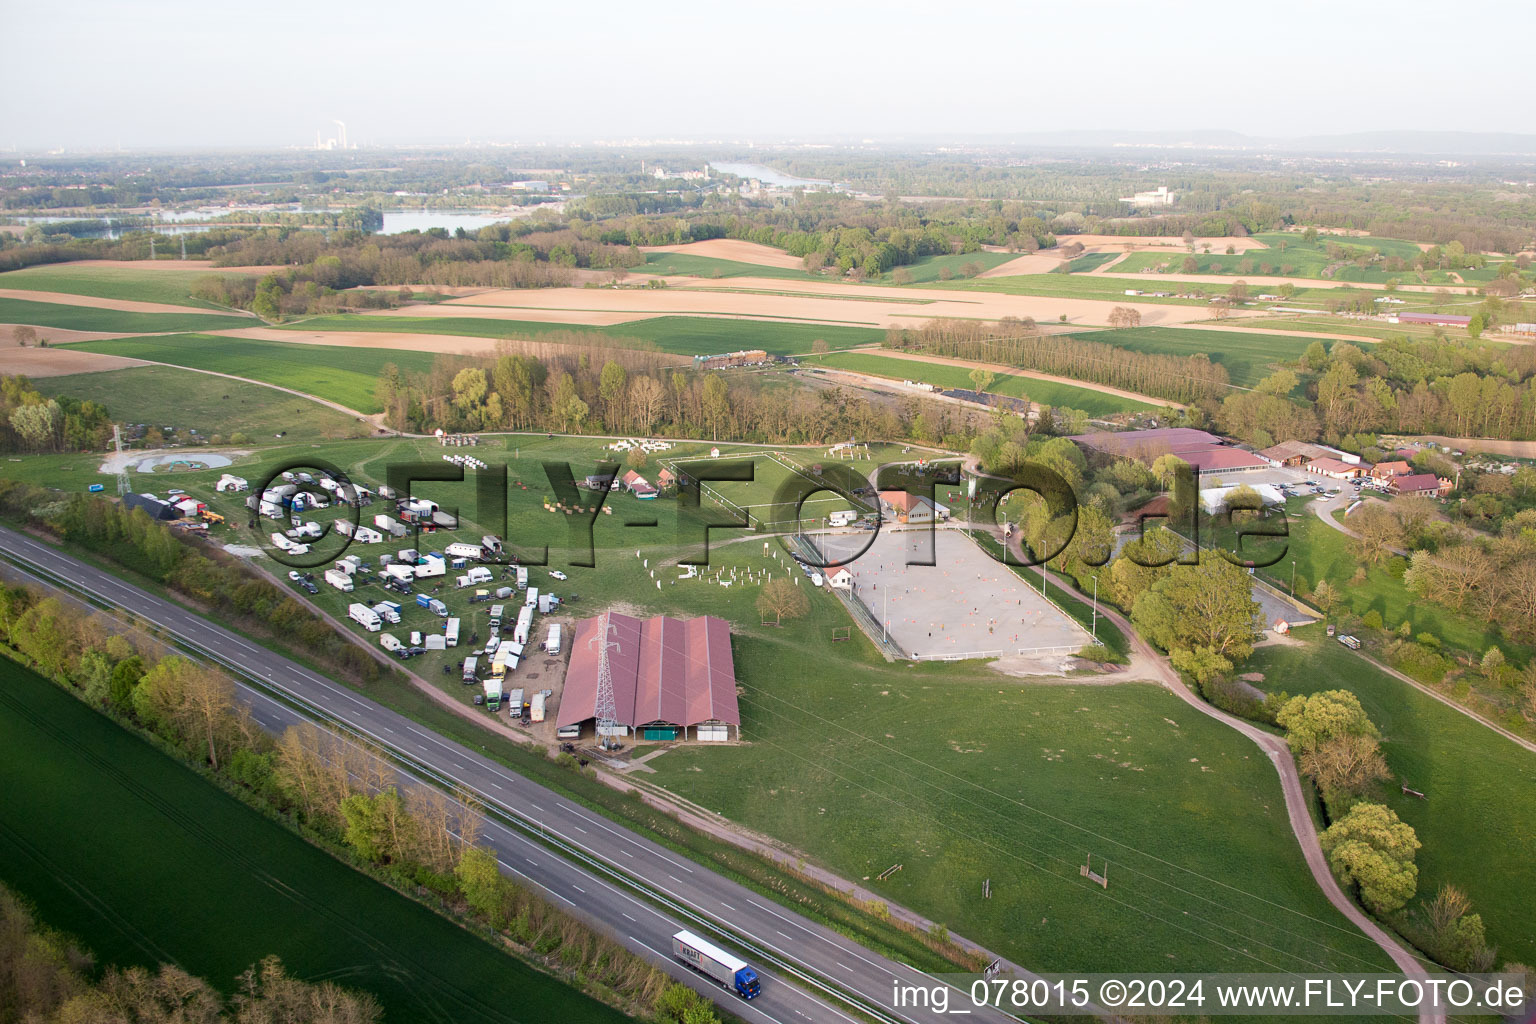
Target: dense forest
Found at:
1404, 386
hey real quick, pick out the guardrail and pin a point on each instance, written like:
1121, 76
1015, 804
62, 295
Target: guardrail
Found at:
506, 815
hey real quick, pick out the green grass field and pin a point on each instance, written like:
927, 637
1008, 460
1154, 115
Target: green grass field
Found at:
344, 375
1247, 355
166, 396
139, 284
1095, 403
1112, 289
683, 335
961, 776
682, 264
171, 870
1092, 261
931, 268
1306, 259
1478, 821
89, 318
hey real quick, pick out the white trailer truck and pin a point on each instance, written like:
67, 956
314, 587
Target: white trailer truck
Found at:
365, 617
727, 971
340, 580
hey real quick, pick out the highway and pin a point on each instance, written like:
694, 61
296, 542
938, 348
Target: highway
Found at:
777, 941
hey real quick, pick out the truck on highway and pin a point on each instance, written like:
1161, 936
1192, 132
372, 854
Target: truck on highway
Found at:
725, 970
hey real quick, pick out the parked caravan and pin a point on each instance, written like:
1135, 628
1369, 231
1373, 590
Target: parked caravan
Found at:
463, 582
364, 534
502, 593
364, 616
390, 642
480, 574
451, 633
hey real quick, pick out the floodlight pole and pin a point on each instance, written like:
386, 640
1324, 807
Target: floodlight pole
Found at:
1293, 577
1095, 609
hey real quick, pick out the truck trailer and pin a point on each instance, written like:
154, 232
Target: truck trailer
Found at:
536, 707
461, 550
340, 580
727, 971
365, 617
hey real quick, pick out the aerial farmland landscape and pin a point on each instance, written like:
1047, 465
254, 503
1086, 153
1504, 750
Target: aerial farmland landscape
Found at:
840, 543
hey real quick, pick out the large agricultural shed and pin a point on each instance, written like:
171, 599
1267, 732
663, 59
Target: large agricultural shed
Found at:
1201, 449
668, 674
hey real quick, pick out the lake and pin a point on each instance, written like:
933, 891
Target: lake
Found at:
767, 175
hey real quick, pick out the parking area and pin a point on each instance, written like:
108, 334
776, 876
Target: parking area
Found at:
964, 605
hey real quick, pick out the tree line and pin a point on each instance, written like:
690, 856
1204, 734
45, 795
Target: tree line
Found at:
569, 383
1015, 342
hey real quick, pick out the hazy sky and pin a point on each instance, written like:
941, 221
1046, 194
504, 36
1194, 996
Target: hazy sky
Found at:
181, 73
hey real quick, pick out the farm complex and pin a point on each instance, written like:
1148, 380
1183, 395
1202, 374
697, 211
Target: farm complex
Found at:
787, 581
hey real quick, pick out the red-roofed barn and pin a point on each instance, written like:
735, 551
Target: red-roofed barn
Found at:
669, 675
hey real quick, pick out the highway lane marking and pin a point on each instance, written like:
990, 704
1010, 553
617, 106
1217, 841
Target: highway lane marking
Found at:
628, 918
823, 938
578, 888
727, 906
